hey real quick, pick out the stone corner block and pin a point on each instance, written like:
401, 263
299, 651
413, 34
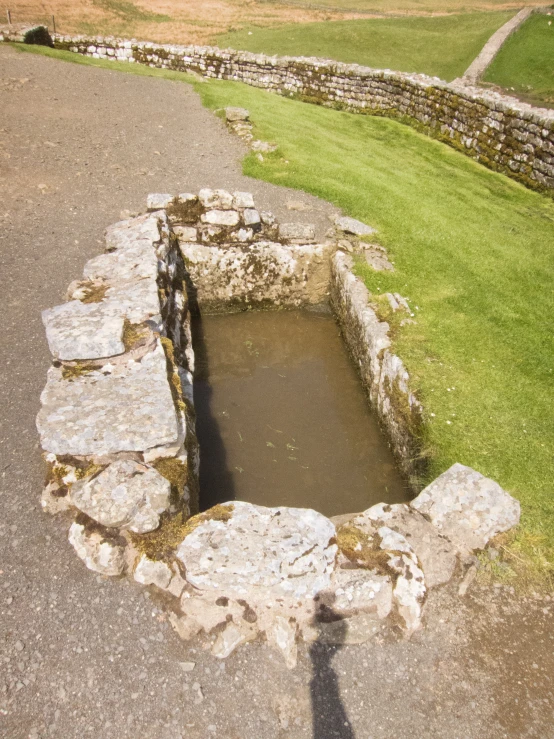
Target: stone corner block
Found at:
467, 507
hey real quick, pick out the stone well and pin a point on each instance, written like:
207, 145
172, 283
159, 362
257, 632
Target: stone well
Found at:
117, 426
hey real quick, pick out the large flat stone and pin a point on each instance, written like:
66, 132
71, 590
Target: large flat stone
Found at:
126, 233
124, 495
78, 331
137, 261
467, 507
278, 552
126, 407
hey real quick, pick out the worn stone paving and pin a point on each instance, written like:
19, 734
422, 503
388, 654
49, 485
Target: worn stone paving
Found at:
82, 655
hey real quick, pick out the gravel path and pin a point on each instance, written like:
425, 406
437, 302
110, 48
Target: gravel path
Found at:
84, 656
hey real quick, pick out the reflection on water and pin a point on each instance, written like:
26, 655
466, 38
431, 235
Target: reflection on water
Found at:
282, 418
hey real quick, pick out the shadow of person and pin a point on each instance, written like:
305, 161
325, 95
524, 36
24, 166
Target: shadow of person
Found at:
329, 718
216, 480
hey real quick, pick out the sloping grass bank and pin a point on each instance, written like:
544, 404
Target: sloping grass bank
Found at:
525, 63
441, 46
473, 252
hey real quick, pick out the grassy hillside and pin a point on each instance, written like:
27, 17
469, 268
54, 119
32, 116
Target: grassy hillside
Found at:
472, 252
404, 44
525, 64
196, 21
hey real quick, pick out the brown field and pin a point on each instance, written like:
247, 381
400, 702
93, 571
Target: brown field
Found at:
198, 21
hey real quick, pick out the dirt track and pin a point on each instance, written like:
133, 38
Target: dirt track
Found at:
81, 655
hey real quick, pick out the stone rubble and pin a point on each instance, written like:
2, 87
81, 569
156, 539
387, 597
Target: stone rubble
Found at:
119, 441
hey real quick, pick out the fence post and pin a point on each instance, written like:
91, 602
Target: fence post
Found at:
9, 17
54, 24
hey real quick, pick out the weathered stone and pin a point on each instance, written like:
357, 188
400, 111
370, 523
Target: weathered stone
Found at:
251, 217
185, 233
127, 233
297, 232
137, 301
377, 259
221, 217
285, 275
229, 639
436, 554
236, 114
244, 235
270, 552
126, 407
352, 226
360, 590
99, 553
78, 331
268, 219
151, 572
467, 507
215, 199
158, 201
281, 634
263, 146
243, 200
125, 495
137, 262
399, 561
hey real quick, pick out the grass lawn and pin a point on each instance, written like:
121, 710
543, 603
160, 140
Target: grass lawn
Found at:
473, 253
404, 44
525, 64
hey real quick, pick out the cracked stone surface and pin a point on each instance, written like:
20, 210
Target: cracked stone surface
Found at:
468, 507
127, 407
125, 495
282, 552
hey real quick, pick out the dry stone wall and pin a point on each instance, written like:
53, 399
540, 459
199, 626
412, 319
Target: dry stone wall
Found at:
501, 132
117, 422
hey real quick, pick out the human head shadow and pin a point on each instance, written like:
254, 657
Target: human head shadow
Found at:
216, 480
329, 717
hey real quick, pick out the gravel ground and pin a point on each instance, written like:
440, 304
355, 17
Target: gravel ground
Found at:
81, 655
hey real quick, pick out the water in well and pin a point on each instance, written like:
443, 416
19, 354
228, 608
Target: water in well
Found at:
282, 418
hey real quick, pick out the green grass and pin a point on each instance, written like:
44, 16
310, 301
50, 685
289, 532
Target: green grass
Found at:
473, 253
525, 64
403, 44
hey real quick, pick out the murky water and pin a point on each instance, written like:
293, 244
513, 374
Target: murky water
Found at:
282, 418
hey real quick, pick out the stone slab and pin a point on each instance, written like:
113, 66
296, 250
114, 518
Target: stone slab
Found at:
352, 226
125, 495
468, 507
126, 407
77, 330
278, 552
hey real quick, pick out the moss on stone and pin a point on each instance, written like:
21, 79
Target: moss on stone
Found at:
133, 334
162, 543
363, 550
94, 293
173, 374
71, 372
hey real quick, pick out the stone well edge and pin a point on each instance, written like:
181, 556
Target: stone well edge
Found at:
128, 474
